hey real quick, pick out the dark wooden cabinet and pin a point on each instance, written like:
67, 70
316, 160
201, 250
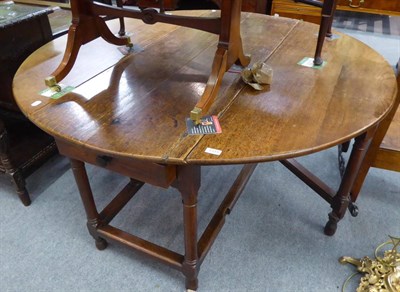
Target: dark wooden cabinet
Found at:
292, 9
23, 146
26, 29
389, 7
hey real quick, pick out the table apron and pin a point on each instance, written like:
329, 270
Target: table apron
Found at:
149, 172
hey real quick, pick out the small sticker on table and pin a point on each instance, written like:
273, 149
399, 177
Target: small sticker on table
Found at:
213, 151
50, 92
126, 50
309, 62
207, 125
36, 103
333, 37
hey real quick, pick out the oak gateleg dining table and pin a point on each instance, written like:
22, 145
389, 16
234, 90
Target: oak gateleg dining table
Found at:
128, 114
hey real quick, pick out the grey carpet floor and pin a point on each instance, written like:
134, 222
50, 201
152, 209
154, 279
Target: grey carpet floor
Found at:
272, 241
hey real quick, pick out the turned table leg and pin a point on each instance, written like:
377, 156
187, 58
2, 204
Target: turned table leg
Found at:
342, 198
188, 183
82, 181
15, 173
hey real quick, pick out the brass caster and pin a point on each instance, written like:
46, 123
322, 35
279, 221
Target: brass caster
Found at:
51, 82
129, 43
195, 115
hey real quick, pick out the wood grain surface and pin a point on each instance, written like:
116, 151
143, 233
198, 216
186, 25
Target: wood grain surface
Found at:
135, 106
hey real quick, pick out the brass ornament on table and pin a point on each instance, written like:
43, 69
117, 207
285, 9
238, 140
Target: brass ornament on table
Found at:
196, 115
51, 82
381, 274
259, 74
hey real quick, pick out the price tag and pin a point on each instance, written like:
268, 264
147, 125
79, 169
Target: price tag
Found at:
213, 151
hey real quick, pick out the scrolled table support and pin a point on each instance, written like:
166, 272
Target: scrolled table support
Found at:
88, 23
85, 27
229, 52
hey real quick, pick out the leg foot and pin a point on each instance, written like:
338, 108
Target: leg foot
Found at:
191, 285
19, 182
339, 207
24, 197
318, 61
331, 225
101, 243
15, 173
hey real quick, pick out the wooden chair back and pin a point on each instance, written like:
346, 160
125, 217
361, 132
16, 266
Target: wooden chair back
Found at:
385, 149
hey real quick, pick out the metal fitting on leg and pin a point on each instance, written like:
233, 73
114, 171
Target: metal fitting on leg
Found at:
196, 114
51, 82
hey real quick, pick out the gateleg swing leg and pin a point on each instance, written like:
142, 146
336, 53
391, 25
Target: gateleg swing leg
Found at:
341, 200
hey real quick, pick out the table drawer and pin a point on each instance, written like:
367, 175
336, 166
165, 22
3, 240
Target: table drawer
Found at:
145, 171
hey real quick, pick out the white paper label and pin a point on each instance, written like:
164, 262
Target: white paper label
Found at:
213, 151
36, 103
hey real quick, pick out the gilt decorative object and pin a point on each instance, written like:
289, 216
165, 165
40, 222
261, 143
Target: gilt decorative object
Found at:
381, 274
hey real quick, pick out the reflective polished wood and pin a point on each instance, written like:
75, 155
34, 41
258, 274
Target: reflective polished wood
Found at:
127, 114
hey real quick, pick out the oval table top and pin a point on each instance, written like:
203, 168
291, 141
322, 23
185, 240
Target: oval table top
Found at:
136, 105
